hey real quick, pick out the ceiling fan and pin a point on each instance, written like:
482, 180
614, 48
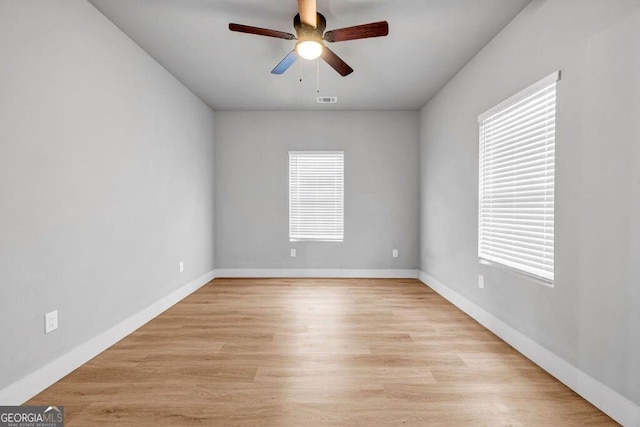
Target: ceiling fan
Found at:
310, 26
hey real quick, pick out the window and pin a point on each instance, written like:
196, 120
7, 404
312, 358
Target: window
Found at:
517, 161
316, 195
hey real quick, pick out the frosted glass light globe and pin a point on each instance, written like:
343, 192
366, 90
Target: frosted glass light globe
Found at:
309, 49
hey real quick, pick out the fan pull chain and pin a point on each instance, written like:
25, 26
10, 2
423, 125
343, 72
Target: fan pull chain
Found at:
300, 62
317, 76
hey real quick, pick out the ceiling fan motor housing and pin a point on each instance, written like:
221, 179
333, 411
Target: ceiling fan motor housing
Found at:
307, 32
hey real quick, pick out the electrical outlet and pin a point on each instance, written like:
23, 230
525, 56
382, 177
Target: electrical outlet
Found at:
181, 266
481, 281
394, 253
293, 253
51, 321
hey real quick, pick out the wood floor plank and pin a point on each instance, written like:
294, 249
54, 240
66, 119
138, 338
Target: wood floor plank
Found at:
283, 352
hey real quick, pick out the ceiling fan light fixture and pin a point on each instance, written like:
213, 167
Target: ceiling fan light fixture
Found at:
309, 49
310, 32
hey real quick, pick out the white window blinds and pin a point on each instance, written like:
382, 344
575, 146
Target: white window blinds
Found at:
316, 195
517, 160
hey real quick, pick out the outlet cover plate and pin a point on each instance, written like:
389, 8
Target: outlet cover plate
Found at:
51, 321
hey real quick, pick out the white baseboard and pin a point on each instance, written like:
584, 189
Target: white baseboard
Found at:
310, 272
32, 384
608, 401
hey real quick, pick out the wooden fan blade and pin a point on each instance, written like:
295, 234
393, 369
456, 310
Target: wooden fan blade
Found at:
308, 12
261, 31
335, 62
375, 29
285, 63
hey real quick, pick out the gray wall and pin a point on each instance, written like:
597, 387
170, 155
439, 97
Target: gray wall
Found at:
106, 180
591, 318
381, 188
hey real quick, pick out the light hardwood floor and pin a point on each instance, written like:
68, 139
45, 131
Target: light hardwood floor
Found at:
296, 352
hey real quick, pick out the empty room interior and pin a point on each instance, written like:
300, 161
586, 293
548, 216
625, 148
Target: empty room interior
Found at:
331, 212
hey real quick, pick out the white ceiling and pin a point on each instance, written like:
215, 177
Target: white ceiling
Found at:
428, 42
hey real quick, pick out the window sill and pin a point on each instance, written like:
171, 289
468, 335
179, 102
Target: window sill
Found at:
542, 280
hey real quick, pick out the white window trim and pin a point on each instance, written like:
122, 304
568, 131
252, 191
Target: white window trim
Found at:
551, 78
536, 87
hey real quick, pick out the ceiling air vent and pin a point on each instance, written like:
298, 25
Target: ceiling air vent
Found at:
327, 99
